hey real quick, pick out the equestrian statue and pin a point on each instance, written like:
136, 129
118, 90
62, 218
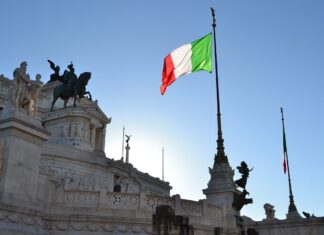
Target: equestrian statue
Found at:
71, 87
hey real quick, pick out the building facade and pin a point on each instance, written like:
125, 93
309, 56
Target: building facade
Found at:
56, 179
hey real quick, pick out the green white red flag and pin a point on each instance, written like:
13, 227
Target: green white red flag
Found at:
186, 59
284, 151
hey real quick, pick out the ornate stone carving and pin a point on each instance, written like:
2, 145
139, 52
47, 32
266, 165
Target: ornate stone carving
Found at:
123, 200
72, 180
153, 202
269, 211
65, 130
73, 132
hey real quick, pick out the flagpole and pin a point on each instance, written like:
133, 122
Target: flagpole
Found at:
220, 157
292, 206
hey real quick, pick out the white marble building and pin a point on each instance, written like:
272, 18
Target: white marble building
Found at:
56, 179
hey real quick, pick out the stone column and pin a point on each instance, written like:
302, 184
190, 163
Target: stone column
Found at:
95, 140
92, 136
103, 138
127, 153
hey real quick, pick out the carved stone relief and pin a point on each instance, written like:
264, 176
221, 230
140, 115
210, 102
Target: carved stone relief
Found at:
72, 180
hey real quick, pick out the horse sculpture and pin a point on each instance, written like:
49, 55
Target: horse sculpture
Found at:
75, 88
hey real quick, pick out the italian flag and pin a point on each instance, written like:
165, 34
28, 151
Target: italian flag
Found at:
188, 58
284, 163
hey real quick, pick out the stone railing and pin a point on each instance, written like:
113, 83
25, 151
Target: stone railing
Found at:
153, 201
123, 200
191, 208
141, 202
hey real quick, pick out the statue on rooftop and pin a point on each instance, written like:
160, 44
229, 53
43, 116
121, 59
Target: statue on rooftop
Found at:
24, 93
239, 198
127, 138
56, 75
69, 77
245, 171
71, 87
269, 211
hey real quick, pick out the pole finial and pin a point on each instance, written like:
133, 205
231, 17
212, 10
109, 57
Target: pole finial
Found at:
213, 15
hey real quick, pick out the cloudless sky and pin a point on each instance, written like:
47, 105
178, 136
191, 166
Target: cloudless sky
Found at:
270, 54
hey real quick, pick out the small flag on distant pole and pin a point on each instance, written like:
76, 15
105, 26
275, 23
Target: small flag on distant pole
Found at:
284, 152
186, 59
292, 211
284, 145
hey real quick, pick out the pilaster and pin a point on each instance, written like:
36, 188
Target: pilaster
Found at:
22, 137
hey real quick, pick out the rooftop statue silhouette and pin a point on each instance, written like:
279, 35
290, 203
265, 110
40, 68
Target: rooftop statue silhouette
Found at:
71, 87
245, 171
56, 75
127, 138
239, 199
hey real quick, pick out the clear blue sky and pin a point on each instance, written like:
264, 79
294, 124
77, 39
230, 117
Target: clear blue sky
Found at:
270, 54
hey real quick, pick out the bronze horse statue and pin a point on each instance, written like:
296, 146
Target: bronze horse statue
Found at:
72, 88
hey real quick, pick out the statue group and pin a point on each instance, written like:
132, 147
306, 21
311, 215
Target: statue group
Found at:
71, 87
240, 198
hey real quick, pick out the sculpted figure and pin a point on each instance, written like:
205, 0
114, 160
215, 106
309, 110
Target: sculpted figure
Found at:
74, 128
33, 92
22, 95
127, 138
79, 130
69, 77
245, 171
66, 130
56, 75
72, 86
269, 211
239, 199
21, 80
